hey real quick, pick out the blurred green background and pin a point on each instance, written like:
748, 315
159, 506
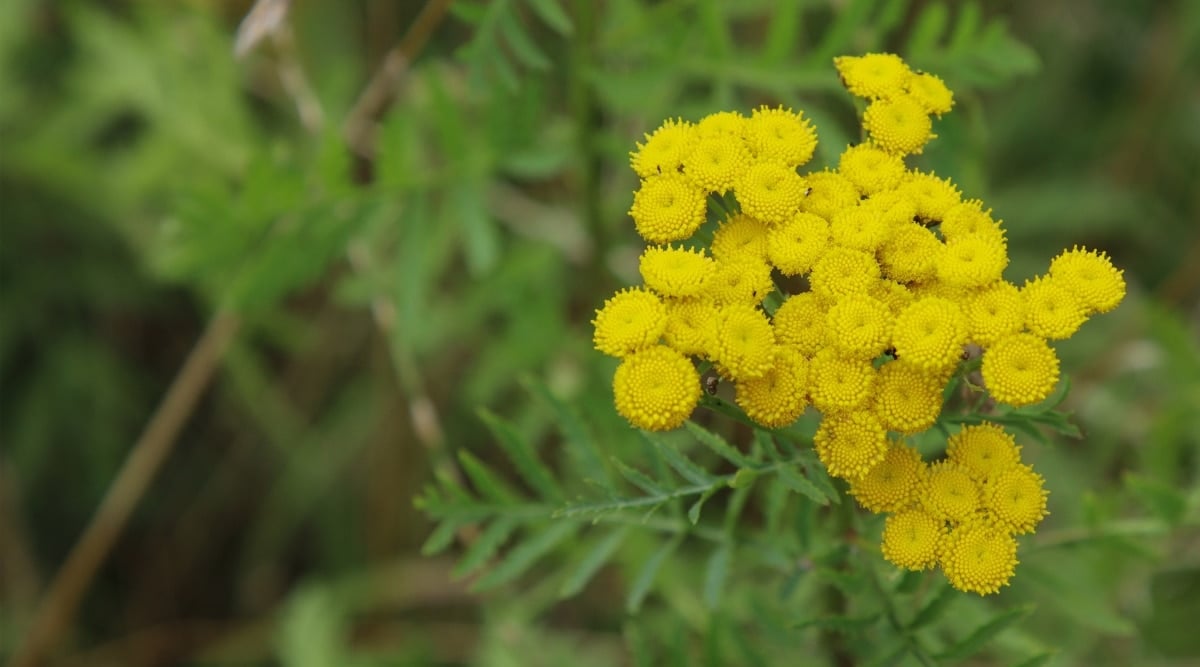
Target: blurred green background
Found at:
398, 212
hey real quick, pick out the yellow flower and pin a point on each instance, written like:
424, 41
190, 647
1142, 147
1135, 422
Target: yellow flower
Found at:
932, 195
664, 150
1091, 277
968, 218
911, 254
830, 192
850, 444
859, 326
770, 191
1020, 369
978, 558
843, 271
668, 208
907, 399
715, 162
656, 388
931, 93
722, 123
1016, 499
898, 125
994, 312
859, 227
631, 320
875, 75
949, 492
931, 333
675, 271
800, 323
795, 246
912, 539
691, 326
778, 398
891, 485
745, 342
1050, 310
971, 260
838, 383
739, 236
894, 207
870, 168
896, 296
744, 279
983, 451
781, 135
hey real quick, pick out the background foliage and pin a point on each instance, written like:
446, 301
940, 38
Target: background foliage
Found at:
408, 291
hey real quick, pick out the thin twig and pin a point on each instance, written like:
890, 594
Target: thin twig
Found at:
61, 601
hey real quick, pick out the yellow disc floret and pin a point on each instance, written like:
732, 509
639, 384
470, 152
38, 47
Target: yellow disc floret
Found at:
675, 271
843, 271
740, 236
931, 93
716, 162
781, 135
983, 451
850, 444
1020, 369
930, 333
722, 123
859, 326
664, 149
839, 383
1051, 311
875, 75
933, 196
969, 218
691, 326
972, 260
994, 312
656, 388
668, 208
860, 227
830, 192
745, 342
778, 398
911, 254
740, 280
795, 246
892, 484
907, 399
1016, 499
949, 492
1091, 277
800, 323
899, 125
771, 192
912, 539
631, 320
871, 169
978, 558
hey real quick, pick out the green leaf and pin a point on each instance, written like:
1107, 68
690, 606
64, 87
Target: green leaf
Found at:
985, 633
1163, 500
485, 546
694, 511
800, 484
1038, 660
645, 578
715, 573
931, 24
521, 453
486, 482
597, 556
1175, 603
552, 14
678, 462
525, 554
441, 538
935, 608
581, 446
719, 445
522, 46
641, 481
743, 478
843, 624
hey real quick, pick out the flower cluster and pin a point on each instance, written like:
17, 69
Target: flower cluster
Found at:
893, 276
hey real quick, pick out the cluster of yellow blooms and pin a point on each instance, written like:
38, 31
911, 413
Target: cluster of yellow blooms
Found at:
902, 275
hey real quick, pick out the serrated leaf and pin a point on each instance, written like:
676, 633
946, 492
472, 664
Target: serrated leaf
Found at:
641, 481
645, 578
718, 444
581, 446
985, 633
525, 554
715, 573
597, 556
485, 546
552, 14
934, 608
440, 538
521, 453
844, 624
743, 478
694, 511
800, 484
485, 481
678, 462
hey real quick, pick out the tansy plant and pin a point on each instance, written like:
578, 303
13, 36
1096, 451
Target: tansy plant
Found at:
871, 293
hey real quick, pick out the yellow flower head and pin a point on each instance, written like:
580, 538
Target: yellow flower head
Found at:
859, 326
967, 218
983, 451
843, 271
745, 342
664, 150
656, 388
1016, 499
740, 236
795, 246
891, 486
932, 195
1020, 369
899, 125
912, 539
716, 161
781, 135
907, 399
1091, 277
800, 323
994, 312
931, 333
743, 279
871, 169
895, 207
850, 444
691, 326
771, 192
668, 208
896, 296
873, 76
675, 271
931, 93
971, 260
838, 383
1051, 311
778, 398
911, 254
860, 227
949, 492
631, 320
978, 558
722, 123
829, 192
